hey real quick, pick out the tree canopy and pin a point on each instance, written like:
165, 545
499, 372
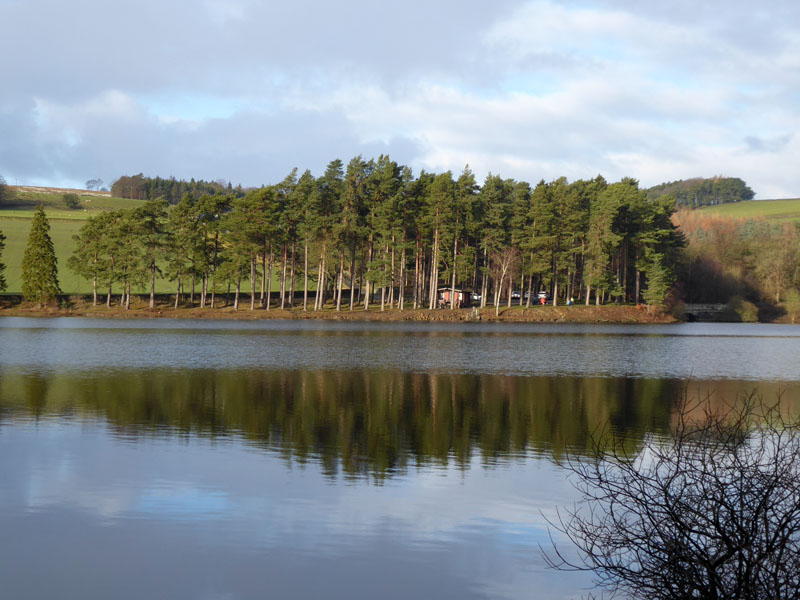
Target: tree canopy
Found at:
701, 192
6, 193
172, 190
371, 227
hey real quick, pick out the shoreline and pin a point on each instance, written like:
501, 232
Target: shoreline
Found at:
515, 314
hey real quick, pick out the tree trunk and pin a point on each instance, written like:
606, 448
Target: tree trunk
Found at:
484, 280
416, 276
263, 276
153, 284
368, 283
453, 296
530, 292
340, 283
352, 277
252, 283
322, 275
269, 279
178, 291
498, 286
305, 277
402, 292
555, 291
434, 270
238, 288
283, 277
383, 287
291, 277
625, 273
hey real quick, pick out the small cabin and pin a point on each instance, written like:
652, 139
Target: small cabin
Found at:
446, 296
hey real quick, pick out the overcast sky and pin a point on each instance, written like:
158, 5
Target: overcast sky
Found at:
244, 90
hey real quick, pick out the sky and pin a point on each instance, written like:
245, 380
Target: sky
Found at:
245, 90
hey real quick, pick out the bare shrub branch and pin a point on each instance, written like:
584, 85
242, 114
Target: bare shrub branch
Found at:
712, 511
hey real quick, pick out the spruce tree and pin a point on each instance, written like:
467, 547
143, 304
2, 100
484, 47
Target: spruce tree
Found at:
2, 266
39, 264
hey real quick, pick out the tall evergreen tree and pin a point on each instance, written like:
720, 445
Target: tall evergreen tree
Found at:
2, 266
39, 263
153, 235
87, 259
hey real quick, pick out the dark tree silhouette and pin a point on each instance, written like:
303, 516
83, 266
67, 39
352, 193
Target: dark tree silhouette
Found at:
711, 511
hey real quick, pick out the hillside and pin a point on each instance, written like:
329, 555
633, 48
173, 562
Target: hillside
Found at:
15, 222
772, 210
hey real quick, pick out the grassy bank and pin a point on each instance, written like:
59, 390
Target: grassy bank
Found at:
82, 307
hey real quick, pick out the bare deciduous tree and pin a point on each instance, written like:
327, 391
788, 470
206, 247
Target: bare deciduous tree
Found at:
503, 263
712, 511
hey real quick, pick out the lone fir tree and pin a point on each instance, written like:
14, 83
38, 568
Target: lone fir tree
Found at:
39, 264
2, 266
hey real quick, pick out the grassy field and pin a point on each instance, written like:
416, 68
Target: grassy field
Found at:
771, 210
15, 223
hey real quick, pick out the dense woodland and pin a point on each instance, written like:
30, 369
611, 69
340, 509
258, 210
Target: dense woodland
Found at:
172, 190
391, 238
703, 192
747, 261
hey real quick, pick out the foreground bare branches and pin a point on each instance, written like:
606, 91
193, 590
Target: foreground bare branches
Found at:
711, 512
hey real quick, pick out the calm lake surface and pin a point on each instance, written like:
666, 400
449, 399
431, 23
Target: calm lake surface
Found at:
306, 459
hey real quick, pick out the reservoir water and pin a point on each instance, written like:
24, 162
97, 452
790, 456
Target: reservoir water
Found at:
307, 459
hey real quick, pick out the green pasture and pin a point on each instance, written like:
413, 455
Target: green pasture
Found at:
26, 201
771, 210
15, 223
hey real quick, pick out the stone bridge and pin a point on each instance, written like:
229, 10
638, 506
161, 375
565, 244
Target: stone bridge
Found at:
704, 312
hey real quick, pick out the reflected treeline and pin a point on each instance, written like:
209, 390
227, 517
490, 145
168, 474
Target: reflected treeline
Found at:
361, 422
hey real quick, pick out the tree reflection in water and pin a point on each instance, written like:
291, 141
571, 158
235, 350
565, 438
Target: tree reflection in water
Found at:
359, 423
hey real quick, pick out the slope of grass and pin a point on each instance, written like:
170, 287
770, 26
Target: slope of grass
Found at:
15, 223
26, 201
772, 210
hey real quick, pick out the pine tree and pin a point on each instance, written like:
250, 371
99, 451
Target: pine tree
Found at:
39, 264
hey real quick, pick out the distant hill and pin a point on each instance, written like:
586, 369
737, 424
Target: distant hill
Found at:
148, 188
36, 189
699, 192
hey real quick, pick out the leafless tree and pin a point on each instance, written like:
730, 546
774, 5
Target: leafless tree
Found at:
711, 511
502, 263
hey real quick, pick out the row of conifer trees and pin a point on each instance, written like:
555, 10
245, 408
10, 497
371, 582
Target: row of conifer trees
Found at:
372, 232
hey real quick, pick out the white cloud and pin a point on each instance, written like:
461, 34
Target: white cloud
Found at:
245, 90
